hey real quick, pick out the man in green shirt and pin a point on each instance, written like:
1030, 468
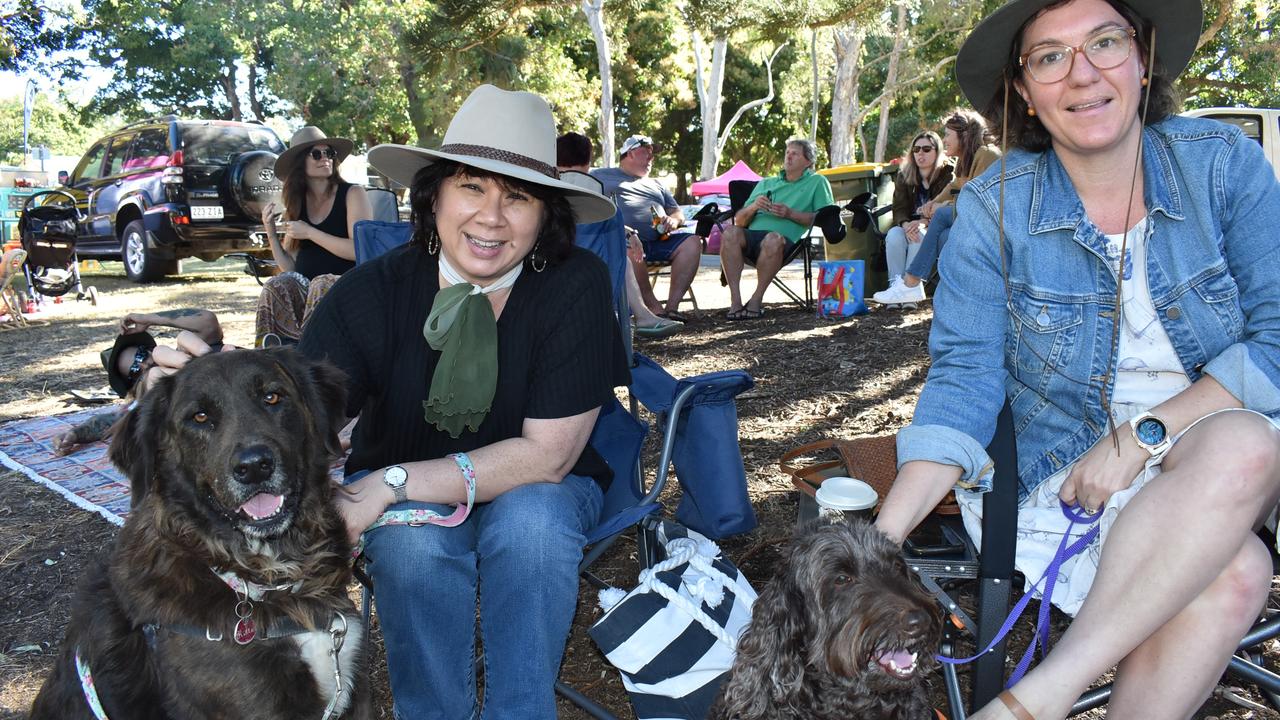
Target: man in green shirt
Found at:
777, 214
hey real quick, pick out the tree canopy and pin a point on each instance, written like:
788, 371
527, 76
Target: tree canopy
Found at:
396, 70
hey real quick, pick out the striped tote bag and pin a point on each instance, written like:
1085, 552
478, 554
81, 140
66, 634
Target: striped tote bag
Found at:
674, 636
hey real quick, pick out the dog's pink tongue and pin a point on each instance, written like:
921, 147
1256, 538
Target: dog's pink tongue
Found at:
262, 505
900, 658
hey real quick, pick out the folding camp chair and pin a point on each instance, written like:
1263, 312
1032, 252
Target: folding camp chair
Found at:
993, 569
384, 205
739, 191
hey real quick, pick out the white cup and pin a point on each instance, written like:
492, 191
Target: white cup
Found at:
846, 497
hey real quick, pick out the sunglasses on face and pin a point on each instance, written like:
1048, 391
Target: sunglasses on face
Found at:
317, 154
923, 149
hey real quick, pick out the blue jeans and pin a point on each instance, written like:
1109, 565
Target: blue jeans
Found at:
519, 554
931, 246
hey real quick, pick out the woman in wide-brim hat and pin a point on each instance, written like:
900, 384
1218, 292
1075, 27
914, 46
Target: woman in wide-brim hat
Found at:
319, 214
479, 356
1113, 280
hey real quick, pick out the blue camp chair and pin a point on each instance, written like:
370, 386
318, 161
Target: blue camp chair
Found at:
699, 433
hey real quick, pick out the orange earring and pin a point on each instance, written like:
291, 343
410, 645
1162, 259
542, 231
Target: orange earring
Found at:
1144, 81
1031, 112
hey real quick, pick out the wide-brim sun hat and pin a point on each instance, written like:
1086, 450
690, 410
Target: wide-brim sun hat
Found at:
303, 140
111, 359
507, 132
981, 62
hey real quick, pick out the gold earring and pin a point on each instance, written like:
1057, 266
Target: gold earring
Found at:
1031, 112
1145, 82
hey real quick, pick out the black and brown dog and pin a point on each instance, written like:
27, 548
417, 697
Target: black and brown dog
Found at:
844, 630
226, 593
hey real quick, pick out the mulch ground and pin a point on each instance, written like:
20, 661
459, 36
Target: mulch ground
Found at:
814, 379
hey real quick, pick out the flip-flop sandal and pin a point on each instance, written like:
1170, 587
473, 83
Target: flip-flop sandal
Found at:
673, 315
745, 313
663, 328
103, 395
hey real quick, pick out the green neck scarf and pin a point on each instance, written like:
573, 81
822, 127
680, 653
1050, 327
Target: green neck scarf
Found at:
462, 327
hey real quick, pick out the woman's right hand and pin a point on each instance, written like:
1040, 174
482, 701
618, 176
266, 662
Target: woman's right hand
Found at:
362, 502
269, 214
914, 230
926, 210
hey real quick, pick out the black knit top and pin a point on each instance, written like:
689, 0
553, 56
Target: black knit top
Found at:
313, 260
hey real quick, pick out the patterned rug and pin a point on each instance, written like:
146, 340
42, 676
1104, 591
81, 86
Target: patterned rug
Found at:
86, 477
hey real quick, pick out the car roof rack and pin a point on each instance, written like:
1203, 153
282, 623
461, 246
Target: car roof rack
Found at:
152, 121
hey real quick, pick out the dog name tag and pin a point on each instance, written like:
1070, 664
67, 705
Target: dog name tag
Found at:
246, 631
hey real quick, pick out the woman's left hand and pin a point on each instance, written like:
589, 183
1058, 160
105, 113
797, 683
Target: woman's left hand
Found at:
362, 502
1100, 473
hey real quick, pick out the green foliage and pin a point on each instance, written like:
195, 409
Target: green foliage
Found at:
54, 123
1240, 65
31, 30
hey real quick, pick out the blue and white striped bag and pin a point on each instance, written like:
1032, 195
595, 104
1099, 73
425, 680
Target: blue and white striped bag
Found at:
675, 635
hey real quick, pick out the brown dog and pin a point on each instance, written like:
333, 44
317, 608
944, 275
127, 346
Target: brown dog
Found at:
844, 630
226, 593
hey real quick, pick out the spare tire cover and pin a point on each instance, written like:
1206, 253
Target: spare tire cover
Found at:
253, 182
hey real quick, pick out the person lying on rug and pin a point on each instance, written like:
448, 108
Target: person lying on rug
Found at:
134, 361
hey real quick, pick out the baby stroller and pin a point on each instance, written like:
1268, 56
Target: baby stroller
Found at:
48, 234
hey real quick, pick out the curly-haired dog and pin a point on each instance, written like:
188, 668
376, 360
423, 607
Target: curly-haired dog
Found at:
843, 631
226, 593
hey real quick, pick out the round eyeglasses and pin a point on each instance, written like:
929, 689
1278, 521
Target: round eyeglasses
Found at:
923, 149
1105, 50
316, 153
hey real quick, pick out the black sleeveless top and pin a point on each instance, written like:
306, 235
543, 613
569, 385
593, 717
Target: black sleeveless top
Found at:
313, 260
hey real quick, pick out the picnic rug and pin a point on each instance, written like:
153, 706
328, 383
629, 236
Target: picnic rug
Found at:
86, 477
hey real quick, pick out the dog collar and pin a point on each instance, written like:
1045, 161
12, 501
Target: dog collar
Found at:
247, 592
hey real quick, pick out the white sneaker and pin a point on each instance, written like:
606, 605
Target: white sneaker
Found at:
899, 293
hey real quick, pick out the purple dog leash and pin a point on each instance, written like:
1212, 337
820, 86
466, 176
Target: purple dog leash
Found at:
1066, 551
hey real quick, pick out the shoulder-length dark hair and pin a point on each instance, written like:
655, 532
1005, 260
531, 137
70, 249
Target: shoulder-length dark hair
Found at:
1028, 133
294, 194
555, 237
909, 172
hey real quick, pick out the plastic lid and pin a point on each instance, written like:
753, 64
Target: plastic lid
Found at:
844, 493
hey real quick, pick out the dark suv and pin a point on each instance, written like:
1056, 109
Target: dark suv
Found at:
157, 191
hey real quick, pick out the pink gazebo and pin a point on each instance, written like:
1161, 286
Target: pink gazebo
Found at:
719, 185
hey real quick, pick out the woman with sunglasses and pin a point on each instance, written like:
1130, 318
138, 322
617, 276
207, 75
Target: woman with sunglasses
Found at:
964, 138
924, 174
320, 210
1115, 284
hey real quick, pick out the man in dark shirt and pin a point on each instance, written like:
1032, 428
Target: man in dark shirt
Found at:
650, 209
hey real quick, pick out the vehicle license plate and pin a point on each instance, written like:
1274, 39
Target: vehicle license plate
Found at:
206, 212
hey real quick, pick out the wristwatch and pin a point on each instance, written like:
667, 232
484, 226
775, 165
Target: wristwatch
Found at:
1151, 434
395, 477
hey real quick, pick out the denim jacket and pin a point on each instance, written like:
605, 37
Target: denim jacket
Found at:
1213, 266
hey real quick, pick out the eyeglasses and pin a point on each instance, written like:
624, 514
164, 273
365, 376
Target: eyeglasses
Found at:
923, 149
1105, 50
317, 153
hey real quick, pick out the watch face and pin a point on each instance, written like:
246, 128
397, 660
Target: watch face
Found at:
1150, 431
395, 476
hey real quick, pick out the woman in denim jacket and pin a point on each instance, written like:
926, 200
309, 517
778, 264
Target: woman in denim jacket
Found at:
1123, 414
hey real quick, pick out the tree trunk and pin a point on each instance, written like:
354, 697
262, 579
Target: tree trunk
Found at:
890, 82
228, 80
594, 10
255, 102
813, 64
844, 95
408, 80
710, 97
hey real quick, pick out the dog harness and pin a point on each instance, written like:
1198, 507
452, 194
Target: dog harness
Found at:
246, 631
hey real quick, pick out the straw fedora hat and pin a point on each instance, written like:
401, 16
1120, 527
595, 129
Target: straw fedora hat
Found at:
502, 131
302, 142
982, 58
